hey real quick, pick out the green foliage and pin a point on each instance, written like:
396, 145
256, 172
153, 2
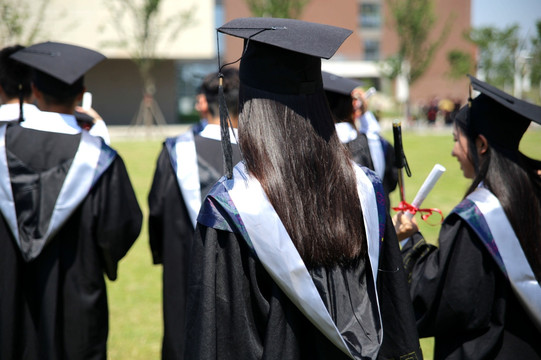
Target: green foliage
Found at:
21, 21
277, 8
536, 54
497, 50
414, 22
149, 27
460, 62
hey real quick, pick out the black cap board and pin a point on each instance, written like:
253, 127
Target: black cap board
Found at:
338, 84
500, 117
64, 62
283, 56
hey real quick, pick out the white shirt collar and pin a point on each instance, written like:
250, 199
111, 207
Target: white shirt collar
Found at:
53, 122
346, 132
10, 112
213, 131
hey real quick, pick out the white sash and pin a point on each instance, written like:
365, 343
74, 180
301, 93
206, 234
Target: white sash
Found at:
187, 173
76, 186
279, 256
518, 269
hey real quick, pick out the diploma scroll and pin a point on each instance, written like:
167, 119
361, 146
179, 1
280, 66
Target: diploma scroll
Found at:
427, 186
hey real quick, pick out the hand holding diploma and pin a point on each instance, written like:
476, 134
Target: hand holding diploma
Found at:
404, 223
426, 188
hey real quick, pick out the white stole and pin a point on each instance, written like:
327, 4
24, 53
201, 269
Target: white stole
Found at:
187, 173
277, 253
518, 269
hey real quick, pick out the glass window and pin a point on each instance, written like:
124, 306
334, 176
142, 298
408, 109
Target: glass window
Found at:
371, 50
370, 15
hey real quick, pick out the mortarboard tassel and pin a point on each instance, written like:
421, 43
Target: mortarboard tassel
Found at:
224, 127
21, 100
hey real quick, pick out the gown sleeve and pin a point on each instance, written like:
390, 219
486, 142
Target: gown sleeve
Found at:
451, 286
162, 182
118, 216
399, 330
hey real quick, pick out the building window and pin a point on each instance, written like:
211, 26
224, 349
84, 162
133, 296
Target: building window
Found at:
370, 15
371, 50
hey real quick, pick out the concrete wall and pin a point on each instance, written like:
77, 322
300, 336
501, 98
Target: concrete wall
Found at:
117, 90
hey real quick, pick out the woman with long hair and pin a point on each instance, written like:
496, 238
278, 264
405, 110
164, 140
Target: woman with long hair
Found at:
295, 256
479, 292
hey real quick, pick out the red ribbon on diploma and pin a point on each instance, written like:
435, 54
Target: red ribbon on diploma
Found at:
404, 206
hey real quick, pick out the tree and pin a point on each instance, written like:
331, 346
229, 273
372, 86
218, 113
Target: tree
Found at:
141, 40
277, 8
21, 21
497, 50
536, 55
461, 63
414, 22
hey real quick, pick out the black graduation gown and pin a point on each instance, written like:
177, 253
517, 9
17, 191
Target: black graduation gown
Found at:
171, 232
55, 306
462, 298
360, 154
235, 310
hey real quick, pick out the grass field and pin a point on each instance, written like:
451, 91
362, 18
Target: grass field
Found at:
135, 298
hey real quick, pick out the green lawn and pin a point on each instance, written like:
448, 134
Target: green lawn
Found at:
135, 298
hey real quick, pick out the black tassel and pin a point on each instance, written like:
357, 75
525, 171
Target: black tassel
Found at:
224, 126
21, 101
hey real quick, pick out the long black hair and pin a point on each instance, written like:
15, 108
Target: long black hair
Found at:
290, 145
513, 179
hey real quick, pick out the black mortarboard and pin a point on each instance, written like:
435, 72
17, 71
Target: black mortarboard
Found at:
58, 65
338, 84
500, 117
284, 55
281, 56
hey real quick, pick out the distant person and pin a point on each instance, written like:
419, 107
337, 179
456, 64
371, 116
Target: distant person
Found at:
187, 168
478, 293
202, 108
381, 151
68, 215
338, 91
287, 261
15, 88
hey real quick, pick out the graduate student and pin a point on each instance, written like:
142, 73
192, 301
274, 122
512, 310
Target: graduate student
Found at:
187, 168
58, 114
478, 293
339, 92
68, 215
381, 151
15, 88
285, 264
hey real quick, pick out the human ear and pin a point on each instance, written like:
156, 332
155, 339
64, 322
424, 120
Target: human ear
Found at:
481, 143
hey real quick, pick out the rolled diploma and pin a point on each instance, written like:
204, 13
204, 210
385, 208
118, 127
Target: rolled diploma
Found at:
427, 187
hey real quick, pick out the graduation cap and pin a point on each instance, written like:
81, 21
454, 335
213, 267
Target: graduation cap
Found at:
283, 56
338, 84
59, 68
500, 117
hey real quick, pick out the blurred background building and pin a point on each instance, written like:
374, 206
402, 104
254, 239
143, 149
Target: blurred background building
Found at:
186, 52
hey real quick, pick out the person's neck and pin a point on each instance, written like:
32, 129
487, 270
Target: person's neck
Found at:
216, 121
60, 109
